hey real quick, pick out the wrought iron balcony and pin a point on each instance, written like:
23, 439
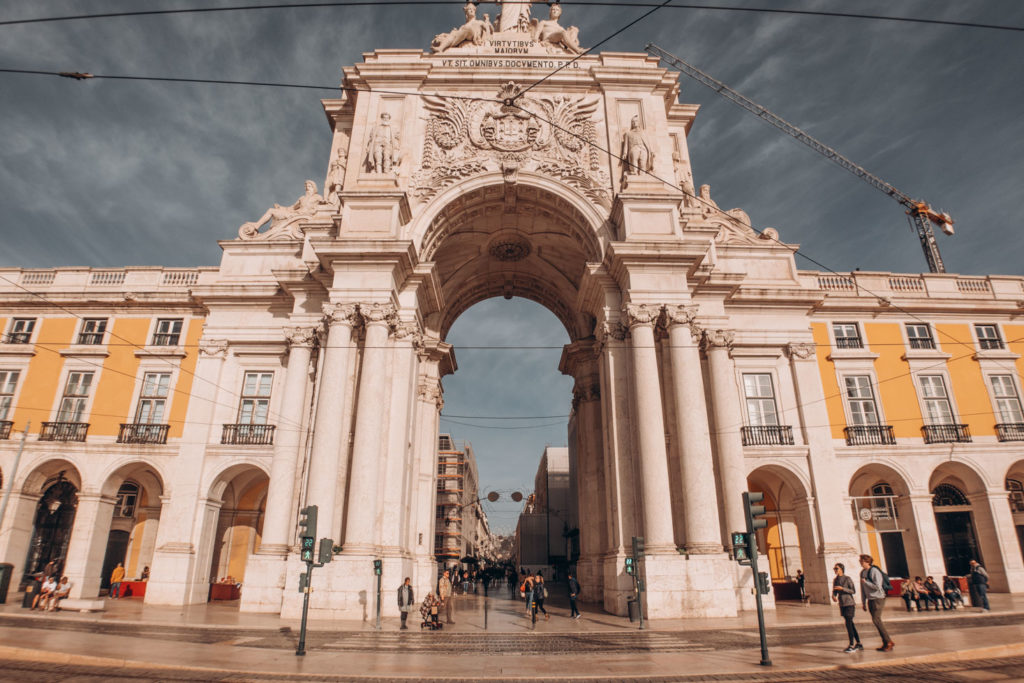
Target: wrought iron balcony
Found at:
869, 435
63, 431
142, 433
1010, 431
946, 433
248, 434
90, 338
922, 343
767, 435
169, 339
19, 337
5, 429
849, 343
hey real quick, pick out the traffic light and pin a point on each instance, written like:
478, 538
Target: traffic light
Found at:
741, 547
326, 552
638, 547
764, 583
754, 511
307, 521
377, 567
630, 567
303, 582
306, 547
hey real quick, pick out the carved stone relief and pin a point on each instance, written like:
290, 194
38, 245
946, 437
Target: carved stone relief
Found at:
548, 135
301, 336
284, 220
800, 350
213, 348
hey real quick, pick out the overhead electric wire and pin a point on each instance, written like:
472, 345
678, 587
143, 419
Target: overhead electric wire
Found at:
580, 3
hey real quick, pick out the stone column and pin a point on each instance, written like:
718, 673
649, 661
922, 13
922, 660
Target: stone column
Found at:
88, 546
326, 466
997, 539
396, 485
700, 502
725, 402
362, 506
277, 526
928, 535
654, 482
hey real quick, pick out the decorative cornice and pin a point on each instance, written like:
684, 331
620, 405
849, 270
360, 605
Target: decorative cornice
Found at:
641, 314
800, 350
304, 337
213, 348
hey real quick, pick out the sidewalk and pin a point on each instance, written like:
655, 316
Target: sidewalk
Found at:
134, 636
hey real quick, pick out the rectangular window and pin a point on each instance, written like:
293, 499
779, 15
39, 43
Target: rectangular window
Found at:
847, 335
760, 397
168, 332
255, 404
92, 331
920, 336
76, 393
861, 398
153, 399
938, 410
8, 382
988, 337
21, 330
1007, 399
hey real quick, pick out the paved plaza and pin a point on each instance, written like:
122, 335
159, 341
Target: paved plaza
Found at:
132, 641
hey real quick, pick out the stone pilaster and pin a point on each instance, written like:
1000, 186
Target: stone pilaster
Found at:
654, 483
88, 546
725, 402
700, 502
361, 510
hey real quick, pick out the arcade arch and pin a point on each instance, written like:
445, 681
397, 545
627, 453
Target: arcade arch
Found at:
137, 491
1015, 494
790, 534
233, 522
964, 521
885, 519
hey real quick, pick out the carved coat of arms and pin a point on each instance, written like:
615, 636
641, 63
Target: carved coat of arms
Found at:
549, 135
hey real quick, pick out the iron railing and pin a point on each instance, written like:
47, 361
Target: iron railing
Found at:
5, 429
849, 343
135, 432
767, 435
990, 343
248, 434
19, 337
953, 433
166, 339
922, 343
63, 431
1010, 431
90, 338
869, 435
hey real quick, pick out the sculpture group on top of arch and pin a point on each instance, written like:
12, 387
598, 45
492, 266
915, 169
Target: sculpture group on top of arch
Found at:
548, 33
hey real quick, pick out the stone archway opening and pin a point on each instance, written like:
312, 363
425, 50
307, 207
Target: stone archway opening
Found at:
52, 488
1015, 494
137, 491
236, 505
788, 538
963, 520
884, 518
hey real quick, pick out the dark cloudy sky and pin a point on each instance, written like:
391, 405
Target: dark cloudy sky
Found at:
113, 173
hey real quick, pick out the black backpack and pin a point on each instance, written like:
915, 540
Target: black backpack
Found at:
886, 584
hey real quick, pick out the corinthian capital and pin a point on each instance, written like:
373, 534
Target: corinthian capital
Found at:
800, 351
301, 336
408, 328
430, 392
213, 348
339, 313
376, 313
680, 315
719, 338
641, 314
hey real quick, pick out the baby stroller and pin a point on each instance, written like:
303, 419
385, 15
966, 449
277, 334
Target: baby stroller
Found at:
429, 610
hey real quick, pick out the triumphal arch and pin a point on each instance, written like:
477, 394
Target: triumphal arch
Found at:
496, 164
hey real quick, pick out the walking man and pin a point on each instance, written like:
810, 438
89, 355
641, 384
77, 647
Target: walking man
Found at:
979, 586
116, 577
872, 596
574, 594
444, 592
405, 601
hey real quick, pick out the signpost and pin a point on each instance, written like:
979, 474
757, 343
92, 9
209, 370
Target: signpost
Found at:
378, 569
746, 553
307, 546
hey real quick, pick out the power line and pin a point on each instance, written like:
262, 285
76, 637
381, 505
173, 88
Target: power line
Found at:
581, 3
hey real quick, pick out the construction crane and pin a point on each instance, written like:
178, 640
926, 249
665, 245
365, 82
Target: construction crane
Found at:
922, 216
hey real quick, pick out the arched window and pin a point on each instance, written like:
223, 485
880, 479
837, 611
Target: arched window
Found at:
127, 497
883, 507
1016, 490
946, 495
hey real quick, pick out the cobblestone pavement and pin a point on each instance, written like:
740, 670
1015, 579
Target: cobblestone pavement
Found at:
1003, 669
503, 643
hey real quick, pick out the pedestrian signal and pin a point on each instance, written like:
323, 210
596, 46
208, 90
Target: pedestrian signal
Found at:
307, 548
377, 567
753, 512
764, 583
630, 567
741, 547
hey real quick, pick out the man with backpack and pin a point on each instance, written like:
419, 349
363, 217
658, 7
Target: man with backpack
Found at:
979, 586
874, 585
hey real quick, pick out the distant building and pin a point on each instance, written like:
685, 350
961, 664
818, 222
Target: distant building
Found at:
461, 523
547, 532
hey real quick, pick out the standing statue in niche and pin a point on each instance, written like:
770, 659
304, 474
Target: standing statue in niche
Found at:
336, 175
550, 33
382, 146
475, 31
515, 16
636, 150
